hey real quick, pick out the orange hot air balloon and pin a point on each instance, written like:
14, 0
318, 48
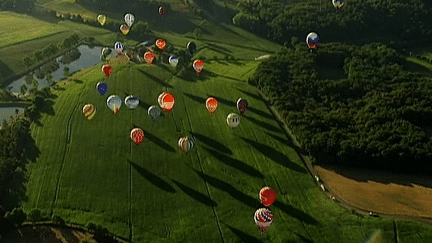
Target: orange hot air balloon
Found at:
124, 29
166, 101
149, 57
211, 104
137, 135
267, 196
107, 69
160, 44
198, 65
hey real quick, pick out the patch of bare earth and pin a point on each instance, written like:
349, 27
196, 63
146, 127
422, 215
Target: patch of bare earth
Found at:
380, 192
49, 233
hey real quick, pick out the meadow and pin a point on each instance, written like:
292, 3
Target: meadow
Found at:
91, 171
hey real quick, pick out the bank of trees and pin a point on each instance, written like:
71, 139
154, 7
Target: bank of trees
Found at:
372, 114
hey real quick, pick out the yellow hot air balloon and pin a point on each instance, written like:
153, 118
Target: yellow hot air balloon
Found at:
101, 19
89, 111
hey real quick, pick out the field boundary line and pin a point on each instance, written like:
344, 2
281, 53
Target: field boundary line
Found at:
202, 171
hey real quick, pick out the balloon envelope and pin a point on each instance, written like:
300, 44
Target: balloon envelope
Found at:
160, 44
101, 19
338, 4
149, 57
118, 46
186, 144
102, 87
263, 219
191, 46
129, 19
131, 101
124, 29
162, 11
154, 112
198, 65
242, 105
312, 39
114, 103
107, 69
137, 135
89, 111
211, 104
173, 60
166, 101
267, 196
233, 120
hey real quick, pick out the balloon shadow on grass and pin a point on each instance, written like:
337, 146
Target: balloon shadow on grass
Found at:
152, 178
47, 107
276, 156
232, 191
143, 104
156, 79
264, 124
237, 164
243, 236
288, 143
158, 141
77, 81
296, 213
212, 143
198, 196
196, 98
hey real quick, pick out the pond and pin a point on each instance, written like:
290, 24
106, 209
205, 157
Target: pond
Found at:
90, 56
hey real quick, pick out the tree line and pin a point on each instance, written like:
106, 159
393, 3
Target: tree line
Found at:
372, 113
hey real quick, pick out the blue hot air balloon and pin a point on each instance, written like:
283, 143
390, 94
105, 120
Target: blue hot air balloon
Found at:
102, 87
131, 101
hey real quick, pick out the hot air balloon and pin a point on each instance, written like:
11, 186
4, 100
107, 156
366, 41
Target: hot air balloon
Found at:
118, 46
154, 112
173, 61
160, 44
131, 101
89, 111
124, 29
166, 101
242, 105
211, 104
263, 219
191, 46
149, 57
198, 65
114, 103
106, 51
162, 11
101, 19
102, 87
137, 135
186, 144
338, 4
129, 19
267, 196
233, 120
107, 69
312, 40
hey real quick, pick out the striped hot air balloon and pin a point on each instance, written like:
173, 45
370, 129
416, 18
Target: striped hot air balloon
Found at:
137, 135
186, 144
124, 29
338, 4
166, 101
89, 111
267, 196
263, 219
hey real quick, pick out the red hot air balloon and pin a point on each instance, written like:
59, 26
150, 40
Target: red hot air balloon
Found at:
211, 104
107, 69
162, 11
137, 135
149, 57
160, 44
198, 65
166, 101
267, 196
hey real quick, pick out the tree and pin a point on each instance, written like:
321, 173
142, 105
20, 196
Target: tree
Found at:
28, 61
198, 33
38, 55
16, 217
35, 215
35, 84
29, 79
49, 79
66, 71
23, 89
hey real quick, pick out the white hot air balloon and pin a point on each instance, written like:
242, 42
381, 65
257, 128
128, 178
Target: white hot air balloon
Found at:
186, 144
129, 19
233, 120
131, 101
114, 103
173, 61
